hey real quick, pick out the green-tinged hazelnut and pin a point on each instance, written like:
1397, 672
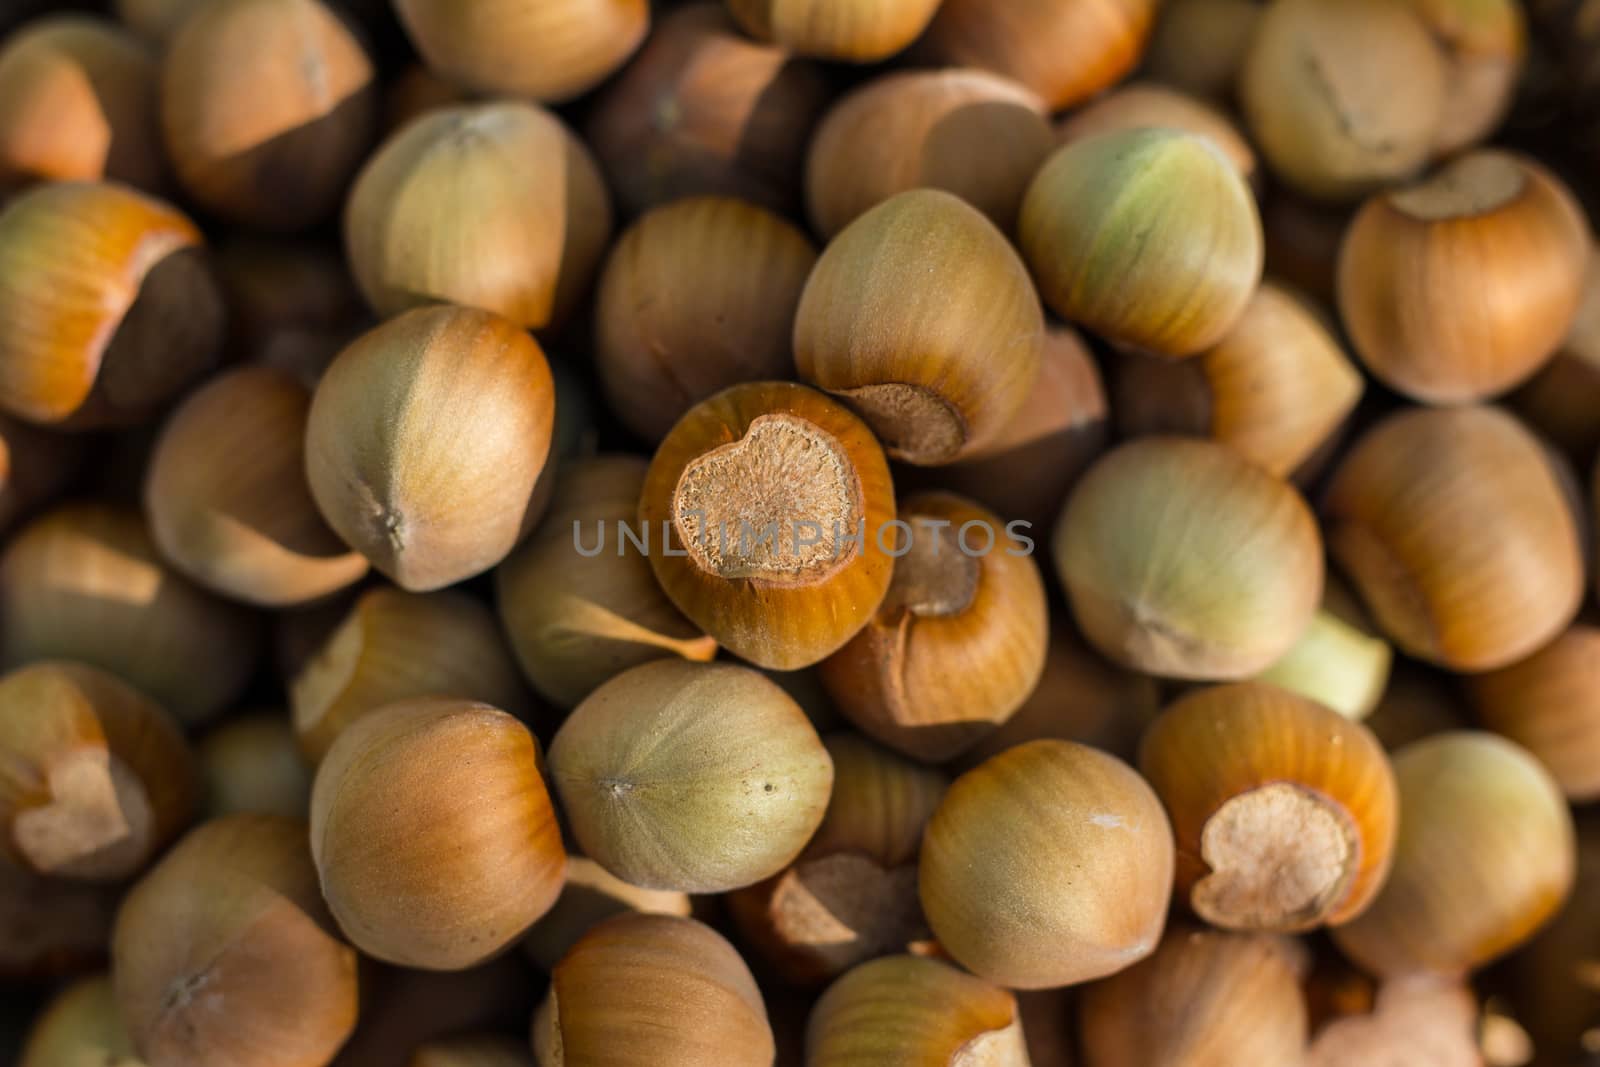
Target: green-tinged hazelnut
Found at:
1148, 237
687, 776
1184, 560
81, 1027
1485, 857
1339, 661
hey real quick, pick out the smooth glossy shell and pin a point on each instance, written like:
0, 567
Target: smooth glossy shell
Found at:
1183, 559
227, 498
652, 991
426, 440
855, 31
494, 205
1048, 865
695, 777
267, 108
1147, 104
969, 132
921, 315
1461, 287
433, 833
1457, 533
1485, 857
1149, 237
545, 49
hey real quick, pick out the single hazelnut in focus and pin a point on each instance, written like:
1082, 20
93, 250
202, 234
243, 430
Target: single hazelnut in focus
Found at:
267, 107
79, 104
1284, 810
1204, 998
689, 776
493, 205
425, 441
652, 991
1482, 813
1462, 286
852, 31
392, 645
1048, 865
1066, 53
969, 132
224, 954
958, 643
99, 779
1456, 531
1343, 96
544, 49
782, 459
579, 603
1184, 560
904, 1009
921, 315
698, 295
1275, 388
84, 582
107, 308
227, 498
1148, 237
433, 833
705, 111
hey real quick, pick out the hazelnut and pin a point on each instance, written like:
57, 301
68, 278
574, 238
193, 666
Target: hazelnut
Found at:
1455, 529
1479, 812
688, 776
84, 582
267, 107
425, 440
544, 49
433, 833
776, 496
92, 280
1284, 810
227, 497
652, 991
1149, 237
696, 296
1182, 559
99, 778
969, 132
224, 954
1050, 864
393, 646
920, 314
494, 205
958, 643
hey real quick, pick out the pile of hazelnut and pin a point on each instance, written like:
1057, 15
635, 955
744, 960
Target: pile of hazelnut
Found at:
821, 533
